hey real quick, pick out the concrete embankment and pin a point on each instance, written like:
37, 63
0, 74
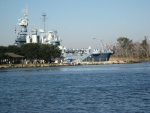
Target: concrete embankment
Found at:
59, 64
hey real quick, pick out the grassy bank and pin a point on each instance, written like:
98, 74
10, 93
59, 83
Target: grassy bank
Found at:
128, 60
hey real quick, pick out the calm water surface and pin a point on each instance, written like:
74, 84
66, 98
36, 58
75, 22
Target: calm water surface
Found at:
119, 88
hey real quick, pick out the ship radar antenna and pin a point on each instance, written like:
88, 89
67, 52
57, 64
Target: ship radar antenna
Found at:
44, 19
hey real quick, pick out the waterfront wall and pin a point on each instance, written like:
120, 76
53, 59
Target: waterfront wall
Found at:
59, 64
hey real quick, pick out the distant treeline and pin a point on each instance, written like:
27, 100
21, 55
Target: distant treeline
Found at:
32, 51
126, 48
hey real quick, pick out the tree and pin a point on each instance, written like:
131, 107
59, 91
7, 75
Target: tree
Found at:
2, 52
55, 51
48, 52
45, 52
145, 48
31, 51
14, 49
125, 47
136, 50
40, 51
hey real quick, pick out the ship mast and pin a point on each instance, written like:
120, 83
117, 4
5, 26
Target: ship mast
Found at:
26, 12
44, 19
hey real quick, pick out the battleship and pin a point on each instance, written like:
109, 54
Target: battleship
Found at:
37, 36
51, 37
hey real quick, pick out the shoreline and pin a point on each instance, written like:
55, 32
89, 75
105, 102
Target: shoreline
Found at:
5, 66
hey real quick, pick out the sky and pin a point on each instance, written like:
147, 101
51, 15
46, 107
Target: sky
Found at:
79, 21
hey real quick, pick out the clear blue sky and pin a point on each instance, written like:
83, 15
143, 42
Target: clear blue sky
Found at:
78, 21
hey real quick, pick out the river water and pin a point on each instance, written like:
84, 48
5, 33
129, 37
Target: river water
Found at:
116, 88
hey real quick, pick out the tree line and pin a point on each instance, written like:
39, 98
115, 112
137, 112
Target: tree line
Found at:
126, 48
32, 51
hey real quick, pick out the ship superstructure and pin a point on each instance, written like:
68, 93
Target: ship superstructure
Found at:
22, 34
35, 36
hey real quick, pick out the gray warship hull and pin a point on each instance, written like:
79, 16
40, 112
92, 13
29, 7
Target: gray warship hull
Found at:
98, 57
88, 57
